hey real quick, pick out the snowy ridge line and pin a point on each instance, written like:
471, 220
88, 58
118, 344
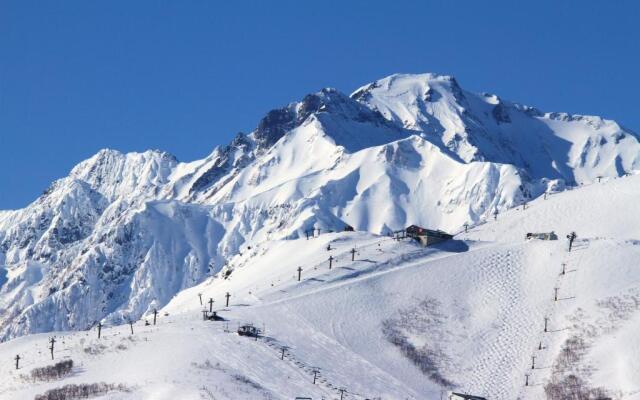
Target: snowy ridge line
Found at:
399, 259
363, 275
345, 255
126, 232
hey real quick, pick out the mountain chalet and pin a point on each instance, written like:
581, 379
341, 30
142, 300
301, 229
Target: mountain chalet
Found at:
427, 237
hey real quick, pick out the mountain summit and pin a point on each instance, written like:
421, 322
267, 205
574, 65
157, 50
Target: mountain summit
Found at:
123, 233
484, 127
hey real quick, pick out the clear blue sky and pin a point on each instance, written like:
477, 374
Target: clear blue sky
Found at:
78, 76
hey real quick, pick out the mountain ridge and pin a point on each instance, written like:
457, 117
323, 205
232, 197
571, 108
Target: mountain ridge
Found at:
123, 233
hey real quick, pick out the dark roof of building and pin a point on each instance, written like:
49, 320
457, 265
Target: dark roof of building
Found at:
428, 232
469, 396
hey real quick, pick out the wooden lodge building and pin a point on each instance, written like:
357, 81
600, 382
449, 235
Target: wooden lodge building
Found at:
427, 237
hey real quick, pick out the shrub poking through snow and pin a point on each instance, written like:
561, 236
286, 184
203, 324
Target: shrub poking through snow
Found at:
95, 349
571, 353
413, 322
572, 387
81, 391
566, 382
52, 372
246, 381
570, 374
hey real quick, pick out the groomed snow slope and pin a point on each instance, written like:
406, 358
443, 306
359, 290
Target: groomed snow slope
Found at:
470, 313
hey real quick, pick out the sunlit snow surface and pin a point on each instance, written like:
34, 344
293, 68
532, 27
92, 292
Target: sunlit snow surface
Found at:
124, 234
489, 291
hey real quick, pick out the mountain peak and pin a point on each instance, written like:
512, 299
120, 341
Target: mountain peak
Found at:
113, 173
327, 101
483, 127
405, 149
407, 84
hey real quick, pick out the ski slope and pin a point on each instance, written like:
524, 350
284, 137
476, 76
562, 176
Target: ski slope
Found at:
472, 309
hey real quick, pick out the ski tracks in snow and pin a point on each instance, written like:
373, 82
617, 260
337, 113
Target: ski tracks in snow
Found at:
494, 367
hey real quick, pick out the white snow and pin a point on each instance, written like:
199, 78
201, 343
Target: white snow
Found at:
489, 291
574, 148
126, 233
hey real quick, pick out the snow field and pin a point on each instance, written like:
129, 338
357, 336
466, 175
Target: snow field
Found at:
473, 308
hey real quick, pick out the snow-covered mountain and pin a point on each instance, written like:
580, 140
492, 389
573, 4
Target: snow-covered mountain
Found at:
124, 233
397, 322
484, 127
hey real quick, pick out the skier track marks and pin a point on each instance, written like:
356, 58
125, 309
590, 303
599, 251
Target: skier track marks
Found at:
567, 285
495, 368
